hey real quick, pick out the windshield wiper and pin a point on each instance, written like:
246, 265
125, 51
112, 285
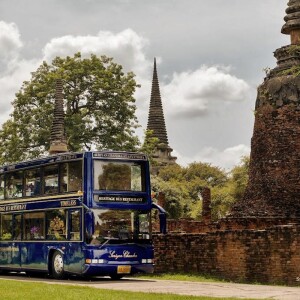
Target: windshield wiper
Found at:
108, 240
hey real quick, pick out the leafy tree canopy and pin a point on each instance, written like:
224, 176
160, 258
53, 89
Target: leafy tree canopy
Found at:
182, 188
99, 107
149, 145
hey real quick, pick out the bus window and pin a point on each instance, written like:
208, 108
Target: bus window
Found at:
112, 226
75, 225
56, 224
71, 177
6, 227
14, 185
118, 176
34, 226
1, 187
32, 182
51, 179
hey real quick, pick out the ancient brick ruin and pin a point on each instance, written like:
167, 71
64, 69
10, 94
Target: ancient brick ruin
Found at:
259, 241
274, 178
156, 123
58, 140
267, 256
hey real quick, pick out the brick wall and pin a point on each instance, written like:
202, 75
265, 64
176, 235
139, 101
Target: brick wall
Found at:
266, 256
192, 226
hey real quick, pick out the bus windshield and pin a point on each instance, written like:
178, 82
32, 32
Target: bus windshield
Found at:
118, 176
118, 226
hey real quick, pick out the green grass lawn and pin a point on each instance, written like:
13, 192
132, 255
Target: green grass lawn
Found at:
14, 290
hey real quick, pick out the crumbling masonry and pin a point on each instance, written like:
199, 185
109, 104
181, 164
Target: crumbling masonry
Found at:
260, 240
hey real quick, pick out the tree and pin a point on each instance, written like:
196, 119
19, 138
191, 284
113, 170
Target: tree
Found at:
174, 196
223, 197
182, 187
239, 177
209, 174
149, 145
99, 103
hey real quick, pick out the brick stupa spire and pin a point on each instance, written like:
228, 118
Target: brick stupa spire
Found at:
274, 176
156, 123
156, 119
292, 19
58, 140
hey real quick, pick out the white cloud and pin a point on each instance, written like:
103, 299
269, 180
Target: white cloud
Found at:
226, 158
194, 93
10, 44
11, 82
126, 47
13, 69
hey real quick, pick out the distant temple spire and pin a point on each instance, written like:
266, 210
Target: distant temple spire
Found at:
156, 119
156, 123
58, 140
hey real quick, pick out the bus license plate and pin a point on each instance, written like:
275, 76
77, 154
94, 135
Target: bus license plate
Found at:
124, 269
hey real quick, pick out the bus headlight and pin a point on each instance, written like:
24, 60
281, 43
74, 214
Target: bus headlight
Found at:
94, 261
147, 261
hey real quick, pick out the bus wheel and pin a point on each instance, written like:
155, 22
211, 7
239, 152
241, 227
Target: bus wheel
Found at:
116, 276
57, 265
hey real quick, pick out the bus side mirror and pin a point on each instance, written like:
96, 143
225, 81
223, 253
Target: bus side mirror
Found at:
162, 218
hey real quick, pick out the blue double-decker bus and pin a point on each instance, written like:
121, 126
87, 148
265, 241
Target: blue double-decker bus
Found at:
78, 213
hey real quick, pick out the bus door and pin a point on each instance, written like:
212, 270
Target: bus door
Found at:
74, 256
33, 249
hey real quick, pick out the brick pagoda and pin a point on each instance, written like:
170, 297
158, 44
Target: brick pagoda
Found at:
156, 123
274, 179
58, 140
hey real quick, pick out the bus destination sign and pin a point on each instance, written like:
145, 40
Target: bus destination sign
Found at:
119, 199
113, 155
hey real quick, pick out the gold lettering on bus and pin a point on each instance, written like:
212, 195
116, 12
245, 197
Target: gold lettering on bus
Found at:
65, 203
13, 207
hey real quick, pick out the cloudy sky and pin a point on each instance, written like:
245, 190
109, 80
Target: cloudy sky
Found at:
211, 55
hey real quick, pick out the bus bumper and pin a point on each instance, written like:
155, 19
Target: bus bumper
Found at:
120, 269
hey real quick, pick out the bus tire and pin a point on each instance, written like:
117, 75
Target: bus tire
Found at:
57, 265
115, 276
